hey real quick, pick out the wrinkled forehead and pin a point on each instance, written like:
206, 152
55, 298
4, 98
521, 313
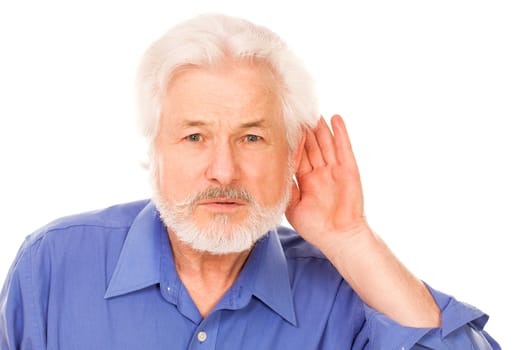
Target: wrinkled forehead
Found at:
237, 90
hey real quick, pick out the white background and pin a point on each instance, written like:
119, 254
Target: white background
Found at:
433, 94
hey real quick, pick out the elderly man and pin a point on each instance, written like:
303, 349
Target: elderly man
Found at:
231, 121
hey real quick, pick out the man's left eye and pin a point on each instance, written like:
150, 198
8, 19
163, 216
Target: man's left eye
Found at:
252, 138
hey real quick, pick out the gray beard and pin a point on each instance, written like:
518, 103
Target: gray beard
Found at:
219, 235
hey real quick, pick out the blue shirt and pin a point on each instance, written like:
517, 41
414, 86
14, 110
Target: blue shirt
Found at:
107, 280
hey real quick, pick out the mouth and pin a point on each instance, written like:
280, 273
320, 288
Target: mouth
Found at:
222, 204
222, 201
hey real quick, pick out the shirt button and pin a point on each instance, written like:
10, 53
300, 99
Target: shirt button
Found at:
201, 336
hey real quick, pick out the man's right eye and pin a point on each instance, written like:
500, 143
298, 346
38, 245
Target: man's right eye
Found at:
194, 137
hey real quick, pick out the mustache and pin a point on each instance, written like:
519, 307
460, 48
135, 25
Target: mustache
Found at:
217, 192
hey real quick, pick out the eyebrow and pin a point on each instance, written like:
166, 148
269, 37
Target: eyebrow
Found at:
253, 124
250, 124
189, 123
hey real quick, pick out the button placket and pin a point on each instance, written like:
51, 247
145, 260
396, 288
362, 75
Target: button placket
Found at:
205, 335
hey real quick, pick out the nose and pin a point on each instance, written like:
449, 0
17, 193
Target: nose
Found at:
222, 168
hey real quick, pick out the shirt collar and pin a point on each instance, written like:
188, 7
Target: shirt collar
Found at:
265, 274
139, 260
272, 281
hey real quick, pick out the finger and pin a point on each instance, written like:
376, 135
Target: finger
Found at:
304, 164
313, 151
325, 140
343, 147
295, 198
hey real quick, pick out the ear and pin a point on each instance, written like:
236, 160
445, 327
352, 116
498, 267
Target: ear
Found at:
298, 152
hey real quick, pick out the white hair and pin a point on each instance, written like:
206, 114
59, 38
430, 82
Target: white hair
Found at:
208, 40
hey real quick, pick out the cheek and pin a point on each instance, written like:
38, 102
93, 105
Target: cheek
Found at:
266, 178
172, 177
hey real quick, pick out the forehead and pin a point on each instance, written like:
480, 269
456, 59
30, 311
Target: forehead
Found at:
229, 92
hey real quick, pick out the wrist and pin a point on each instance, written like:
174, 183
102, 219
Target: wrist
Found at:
349, 243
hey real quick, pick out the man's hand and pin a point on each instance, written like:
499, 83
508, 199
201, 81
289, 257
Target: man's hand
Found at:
327, 210
327, 200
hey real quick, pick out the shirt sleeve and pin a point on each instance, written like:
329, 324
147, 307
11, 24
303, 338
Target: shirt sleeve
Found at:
461, 328
18, 322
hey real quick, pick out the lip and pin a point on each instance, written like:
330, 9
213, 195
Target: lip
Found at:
222, 204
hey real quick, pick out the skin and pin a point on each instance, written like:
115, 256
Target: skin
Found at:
241, 141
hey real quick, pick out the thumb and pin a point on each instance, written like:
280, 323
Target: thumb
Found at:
295, 198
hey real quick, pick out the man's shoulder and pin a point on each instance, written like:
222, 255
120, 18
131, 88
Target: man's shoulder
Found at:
308, 266
77, 241
116, 217
119, 215
295, 247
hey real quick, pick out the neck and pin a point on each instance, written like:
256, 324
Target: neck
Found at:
206, 276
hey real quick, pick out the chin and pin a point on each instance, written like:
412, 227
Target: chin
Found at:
219, 236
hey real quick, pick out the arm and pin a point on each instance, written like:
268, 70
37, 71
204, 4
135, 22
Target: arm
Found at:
19, 326
327, 210
10, 314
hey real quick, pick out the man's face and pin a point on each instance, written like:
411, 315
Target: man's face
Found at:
221, 156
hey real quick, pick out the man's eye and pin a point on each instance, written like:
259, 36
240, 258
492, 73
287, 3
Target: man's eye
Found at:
252, 138
194, 137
